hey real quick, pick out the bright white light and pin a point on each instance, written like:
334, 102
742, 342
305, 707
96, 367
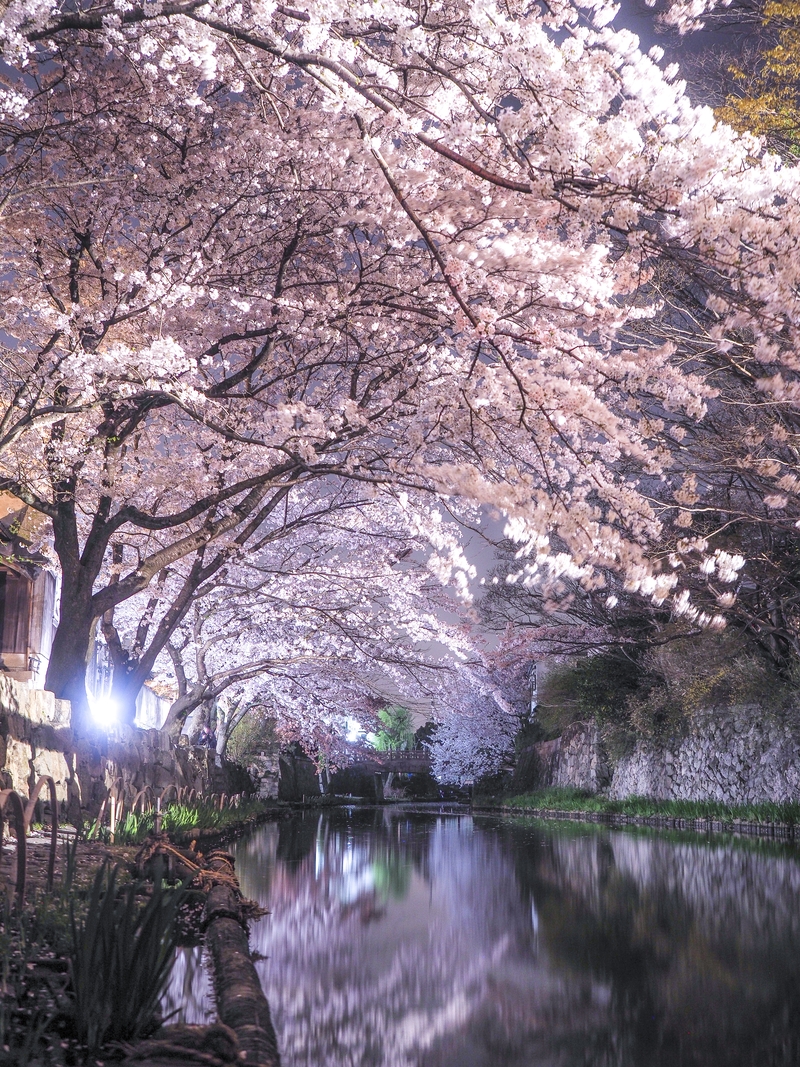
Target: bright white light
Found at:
104, 710
354, 732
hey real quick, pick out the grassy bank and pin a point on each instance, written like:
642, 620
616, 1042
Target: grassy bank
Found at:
181, 821
575, 800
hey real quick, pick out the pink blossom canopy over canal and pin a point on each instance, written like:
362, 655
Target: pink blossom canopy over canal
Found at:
252, 245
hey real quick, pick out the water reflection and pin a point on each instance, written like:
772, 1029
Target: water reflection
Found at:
403, 939
189, 996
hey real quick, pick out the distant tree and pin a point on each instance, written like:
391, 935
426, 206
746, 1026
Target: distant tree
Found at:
300, 627
253, 734
425, 734
766, 96
479, 711
397, 731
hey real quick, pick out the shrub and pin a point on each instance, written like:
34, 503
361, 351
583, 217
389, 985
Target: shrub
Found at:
592, 687
254, 734
653, 693
557, 705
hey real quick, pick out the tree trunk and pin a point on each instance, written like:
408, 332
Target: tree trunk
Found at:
225, 722
179, 712
241, 1003
74, 636
70, 655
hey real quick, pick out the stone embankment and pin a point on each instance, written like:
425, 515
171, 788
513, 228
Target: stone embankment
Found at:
36, 739
737, 756
740, 755
576, 760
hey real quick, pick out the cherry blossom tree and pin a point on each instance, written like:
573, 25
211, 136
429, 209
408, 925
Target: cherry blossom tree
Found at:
306, 625
310, 528
143, 449
406, 243
479, 711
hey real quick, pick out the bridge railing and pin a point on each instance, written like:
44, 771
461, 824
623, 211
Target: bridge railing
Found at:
402, 755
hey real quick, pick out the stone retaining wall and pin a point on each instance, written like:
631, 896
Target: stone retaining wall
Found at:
734, 755
142, 758
36, 739
575, 759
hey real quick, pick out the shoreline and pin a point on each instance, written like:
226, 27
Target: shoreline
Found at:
704, 825
787, 831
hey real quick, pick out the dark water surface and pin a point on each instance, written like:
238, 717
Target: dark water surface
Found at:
411, 938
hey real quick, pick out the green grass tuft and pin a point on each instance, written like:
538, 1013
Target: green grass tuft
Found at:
646, 807
178, 819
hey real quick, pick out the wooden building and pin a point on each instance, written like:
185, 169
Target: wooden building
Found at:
27, 595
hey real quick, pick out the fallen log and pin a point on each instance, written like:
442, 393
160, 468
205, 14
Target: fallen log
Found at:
241, 1003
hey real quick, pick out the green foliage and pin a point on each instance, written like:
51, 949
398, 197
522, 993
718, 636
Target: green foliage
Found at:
425, 734
22, 1044
181, 818
557, 704
133, 828
708, 671
46, 922
253, 735
577, 800
397, 731
121, 958
70, 866
652, 694
596, 687
35, 996
119, 943
604, 682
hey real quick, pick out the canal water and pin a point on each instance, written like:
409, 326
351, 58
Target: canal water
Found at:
421, 938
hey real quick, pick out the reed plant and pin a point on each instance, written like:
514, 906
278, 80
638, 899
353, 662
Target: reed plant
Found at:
178, 818
134, 828
121, 957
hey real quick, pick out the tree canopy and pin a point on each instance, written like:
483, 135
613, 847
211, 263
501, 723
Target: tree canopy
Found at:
265, 262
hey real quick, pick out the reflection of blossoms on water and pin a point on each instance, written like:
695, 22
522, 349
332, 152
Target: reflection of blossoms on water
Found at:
411, 939
386, 940
189, 996
342, 996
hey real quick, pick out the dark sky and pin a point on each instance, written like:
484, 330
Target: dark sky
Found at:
720, 36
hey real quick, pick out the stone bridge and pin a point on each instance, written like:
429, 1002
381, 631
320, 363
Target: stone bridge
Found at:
414, 761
